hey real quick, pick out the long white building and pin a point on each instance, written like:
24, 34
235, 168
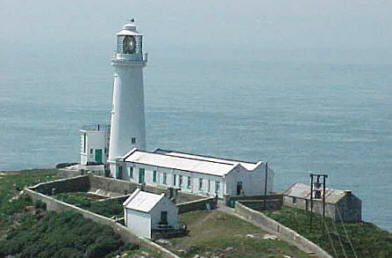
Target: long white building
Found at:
197, 174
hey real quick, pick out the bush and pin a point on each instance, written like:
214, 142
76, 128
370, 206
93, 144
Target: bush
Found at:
40, 205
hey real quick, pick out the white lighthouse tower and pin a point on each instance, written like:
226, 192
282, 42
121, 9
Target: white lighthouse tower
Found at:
127, 117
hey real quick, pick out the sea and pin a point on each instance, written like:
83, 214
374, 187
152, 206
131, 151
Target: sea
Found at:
319, 110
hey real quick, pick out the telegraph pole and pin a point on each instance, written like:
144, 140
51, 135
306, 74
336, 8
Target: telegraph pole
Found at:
315, 190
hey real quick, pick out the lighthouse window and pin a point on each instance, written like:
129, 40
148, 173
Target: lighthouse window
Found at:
133, 140
84, 142
91, 151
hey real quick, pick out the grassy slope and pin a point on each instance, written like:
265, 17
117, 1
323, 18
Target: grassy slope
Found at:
31, 232
367, 239
211, 232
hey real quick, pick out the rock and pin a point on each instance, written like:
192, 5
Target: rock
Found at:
228, 249
287, 256
250, 236
182, 251
196, 256
144, 253
163, 242
269, 237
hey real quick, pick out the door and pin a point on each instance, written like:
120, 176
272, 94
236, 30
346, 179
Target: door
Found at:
141, 175
163, 217
239, 187
98, 155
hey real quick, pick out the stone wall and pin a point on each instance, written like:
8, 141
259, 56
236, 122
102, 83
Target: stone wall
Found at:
280, 230
126, 235
74, 184
202, 204
115, 187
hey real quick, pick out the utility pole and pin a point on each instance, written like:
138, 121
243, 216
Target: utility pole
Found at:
265, 185
315, 189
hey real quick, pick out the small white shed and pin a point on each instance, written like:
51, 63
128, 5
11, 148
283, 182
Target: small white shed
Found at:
144, 212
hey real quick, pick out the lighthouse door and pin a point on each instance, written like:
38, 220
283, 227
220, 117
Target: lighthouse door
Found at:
98, 155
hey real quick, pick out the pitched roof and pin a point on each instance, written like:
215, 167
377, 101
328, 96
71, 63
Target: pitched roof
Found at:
142, 201
303, 191
185, 162
246, 164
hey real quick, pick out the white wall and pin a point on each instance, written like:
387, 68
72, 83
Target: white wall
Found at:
169, 179
253, 182
94, 140
164, 205
138, 222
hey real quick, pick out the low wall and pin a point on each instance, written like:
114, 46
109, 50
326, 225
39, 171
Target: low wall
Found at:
116, 187
271, 204
74, 184
202, 204
126, 235
282, 231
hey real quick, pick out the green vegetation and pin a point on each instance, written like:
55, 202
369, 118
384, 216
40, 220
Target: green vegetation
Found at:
107, 208
27, 230
214, 233
65, 234
339, 239
10, 186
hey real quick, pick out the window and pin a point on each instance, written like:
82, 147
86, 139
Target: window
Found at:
200, 183
91, 151
217, 186
106, 150
209, 186
189, 184
133, 140
180, 181
294, 200
174, 179
130, 172
119, 172
84, 142
164, 178
154, 176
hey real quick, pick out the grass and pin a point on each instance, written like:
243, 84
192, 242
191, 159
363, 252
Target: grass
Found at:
29, 231
367, 239
214, 233
107, 208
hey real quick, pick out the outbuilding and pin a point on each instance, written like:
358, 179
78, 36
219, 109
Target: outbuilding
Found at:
145, 212
340, 205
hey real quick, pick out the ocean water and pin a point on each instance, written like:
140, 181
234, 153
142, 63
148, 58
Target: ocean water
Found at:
300, 114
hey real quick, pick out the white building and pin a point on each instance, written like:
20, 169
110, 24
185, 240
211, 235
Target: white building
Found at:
144, 212
94, 142
195, 174
127, 116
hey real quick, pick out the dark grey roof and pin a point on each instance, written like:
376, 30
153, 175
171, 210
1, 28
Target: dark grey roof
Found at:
303, 191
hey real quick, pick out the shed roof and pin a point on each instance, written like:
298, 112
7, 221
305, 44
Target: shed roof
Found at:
185, 162
303, 191
142, 201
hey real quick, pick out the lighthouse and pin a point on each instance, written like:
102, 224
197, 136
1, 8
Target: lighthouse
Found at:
127, 129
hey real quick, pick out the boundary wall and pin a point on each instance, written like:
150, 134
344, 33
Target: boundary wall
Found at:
202, 204
282, 231
126, 235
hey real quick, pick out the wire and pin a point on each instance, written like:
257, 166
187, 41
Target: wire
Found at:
345, 231
330, 239
337, 232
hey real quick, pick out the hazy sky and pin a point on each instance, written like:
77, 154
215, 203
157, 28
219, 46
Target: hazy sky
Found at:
208, 25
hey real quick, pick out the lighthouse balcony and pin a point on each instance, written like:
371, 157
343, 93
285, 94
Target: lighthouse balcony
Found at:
139, 57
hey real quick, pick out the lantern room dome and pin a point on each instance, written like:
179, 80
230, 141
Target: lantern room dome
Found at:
129, 29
